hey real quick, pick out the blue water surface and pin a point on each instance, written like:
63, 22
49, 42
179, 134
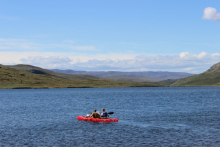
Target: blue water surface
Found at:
165, 116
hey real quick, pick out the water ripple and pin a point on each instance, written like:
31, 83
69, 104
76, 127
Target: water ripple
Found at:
147, 117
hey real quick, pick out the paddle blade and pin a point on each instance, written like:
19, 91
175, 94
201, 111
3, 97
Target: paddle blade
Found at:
110, 112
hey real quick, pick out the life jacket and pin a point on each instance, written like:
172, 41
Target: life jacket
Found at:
95, 115
104, 114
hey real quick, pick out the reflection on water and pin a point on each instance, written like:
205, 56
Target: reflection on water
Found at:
147, 117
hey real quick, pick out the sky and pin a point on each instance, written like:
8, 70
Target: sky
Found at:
111, 35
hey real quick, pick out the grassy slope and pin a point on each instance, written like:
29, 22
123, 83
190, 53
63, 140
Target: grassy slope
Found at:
167, 82
209, 78
12, 78
38, 70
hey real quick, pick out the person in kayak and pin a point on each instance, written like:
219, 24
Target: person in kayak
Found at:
104, 114
95, 114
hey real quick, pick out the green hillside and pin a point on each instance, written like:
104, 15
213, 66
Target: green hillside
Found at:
167, 82
209, 78
38, 70
12, 78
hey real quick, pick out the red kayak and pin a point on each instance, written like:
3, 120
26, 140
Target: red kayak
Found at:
97, 119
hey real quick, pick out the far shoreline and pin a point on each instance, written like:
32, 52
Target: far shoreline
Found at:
102, 87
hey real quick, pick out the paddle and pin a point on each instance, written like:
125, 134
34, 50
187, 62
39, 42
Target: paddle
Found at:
110, 112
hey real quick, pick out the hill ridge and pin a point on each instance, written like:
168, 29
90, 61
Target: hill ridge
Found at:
211, 77
39, 70
214, 68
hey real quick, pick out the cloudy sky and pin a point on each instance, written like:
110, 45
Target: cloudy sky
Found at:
122, 35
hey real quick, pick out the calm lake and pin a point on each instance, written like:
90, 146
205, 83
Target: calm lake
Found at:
180, 116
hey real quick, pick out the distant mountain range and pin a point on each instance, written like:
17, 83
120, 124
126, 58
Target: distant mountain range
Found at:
136, 77
36, 77
210, 77
27, 76
145, 76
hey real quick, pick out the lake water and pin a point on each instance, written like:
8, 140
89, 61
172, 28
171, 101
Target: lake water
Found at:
180, 116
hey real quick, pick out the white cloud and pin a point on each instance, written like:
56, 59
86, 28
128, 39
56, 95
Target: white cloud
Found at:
187, 55
216, 55
50, 61
190, 56
211, 13
203, 55
184, 62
